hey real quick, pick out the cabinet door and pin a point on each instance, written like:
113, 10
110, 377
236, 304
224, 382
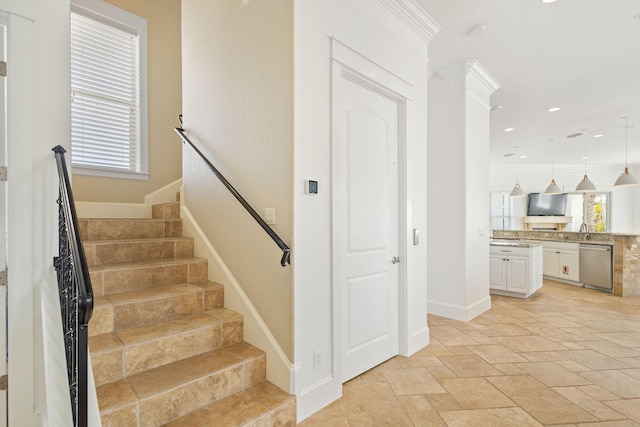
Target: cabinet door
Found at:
550, 262
497, 272
518, 274
569, 265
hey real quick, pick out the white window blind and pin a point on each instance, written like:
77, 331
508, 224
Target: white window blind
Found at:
106, 116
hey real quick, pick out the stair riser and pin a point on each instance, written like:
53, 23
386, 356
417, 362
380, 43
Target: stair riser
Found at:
148, 355
101, 320
117, 281
166, 211
107, 366
120, 229
134, 251
146, 312
126, 416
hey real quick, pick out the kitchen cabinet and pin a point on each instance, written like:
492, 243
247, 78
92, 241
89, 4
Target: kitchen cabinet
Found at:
515, 269
561, 260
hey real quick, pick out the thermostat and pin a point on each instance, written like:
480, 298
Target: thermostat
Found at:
310, 187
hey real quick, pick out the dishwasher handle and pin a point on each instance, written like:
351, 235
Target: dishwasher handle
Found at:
594, 248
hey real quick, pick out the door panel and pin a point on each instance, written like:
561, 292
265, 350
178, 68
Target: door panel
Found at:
366, 217
518, 273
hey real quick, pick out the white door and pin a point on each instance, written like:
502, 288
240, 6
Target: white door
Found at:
3, 231
366, 224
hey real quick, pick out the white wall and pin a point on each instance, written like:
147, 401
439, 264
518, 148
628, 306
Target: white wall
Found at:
38, 119
369, 28
458, 185
534, 178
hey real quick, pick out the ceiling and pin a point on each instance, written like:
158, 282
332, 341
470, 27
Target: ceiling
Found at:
580, 55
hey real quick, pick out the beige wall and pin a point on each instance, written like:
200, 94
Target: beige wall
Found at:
165, 103
237, 91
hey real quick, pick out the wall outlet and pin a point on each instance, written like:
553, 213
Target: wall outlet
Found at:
270, 215
317, 360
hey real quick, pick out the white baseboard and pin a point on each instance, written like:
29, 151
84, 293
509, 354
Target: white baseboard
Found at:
280, 371
459, 312
417, 341
319, 395
165, 194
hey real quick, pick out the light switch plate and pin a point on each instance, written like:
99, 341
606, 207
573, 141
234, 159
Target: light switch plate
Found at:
270, 216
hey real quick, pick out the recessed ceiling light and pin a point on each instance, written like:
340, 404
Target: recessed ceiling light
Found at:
548, 1
508, 129
585, 157
523, 157
553, 109
507, 155
598, 135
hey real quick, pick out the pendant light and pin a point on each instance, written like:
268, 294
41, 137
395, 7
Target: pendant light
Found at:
585, 185
553, 188
517, 191
626, 178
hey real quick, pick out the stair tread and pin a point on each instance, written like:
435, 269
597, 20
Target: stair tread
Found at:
174, 374
104, 342
147, 263
137, 240
235, 410
115, 395
153, 293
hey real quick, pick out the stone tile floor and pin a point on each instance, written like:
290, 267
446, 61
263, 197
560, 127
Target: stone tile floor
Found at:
567, 356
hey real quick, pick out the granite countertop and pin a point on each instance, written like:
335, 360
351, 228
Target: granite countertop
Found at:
557, 236
515, 244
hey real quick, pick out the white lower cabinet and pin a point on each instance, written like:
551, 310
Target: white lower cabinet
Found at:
515, 271
561, 260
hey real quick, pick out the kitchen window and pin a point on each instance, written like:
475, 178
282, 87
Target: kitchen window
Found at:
108, 91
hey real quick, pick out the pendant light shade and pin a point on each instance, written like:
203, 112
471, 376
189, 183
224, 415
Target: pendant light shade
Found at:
553, 188
586, 184
517, 190
626, 178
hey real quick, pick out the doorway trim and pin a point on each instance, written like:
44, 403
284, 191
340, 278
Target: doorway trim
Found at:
352, 65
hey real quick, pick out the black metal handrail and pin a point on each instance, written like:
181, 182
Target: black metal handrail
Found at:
76, 293
286, 252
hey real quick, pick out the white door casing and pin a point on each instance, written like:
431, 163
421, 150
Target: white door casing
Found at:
366, 226
3, 226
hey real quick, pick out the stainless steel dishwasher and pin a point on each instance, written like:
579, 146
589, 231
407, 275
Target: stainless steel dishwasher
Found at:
596, 266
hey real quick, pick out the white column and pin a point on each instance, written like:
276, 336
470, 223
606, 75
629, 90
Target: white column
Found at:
458, 191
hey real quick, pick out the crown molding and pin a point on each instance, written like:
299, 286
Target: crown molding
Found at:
414, 17
480, 75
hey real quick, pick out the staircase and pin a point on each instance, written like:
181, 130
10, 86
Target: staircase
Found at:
164, 349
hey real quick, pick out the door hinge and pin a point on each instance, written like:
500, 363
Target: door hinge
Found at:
3, 69
3, 173
4, 382
3, 278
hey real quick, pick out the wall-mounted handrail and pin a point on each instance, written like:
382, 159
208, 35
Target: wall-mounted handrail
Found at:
286, 252
76, 293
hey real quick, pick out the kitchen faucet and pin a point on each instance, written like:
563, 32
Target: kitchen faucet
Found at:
583, 228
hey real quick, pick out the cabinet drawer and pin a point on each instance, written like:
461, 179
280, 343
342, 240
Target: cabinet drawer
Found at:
509, 251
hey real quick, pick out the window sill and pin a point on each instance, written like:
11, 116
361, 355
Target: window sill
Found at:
109, 173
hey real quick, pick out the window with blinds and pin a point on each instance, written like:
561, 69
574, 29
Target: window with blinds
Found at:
108, 124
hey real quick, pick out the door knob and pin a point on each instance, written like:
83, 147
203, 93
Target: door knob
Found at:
395, 260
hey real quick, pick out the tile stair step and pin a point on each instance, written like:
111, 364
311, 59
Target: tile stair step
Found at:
118, 404
133, 276
130, 351
129, 228
145, 307
105, 252
175, 389
166, 210
262, 404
